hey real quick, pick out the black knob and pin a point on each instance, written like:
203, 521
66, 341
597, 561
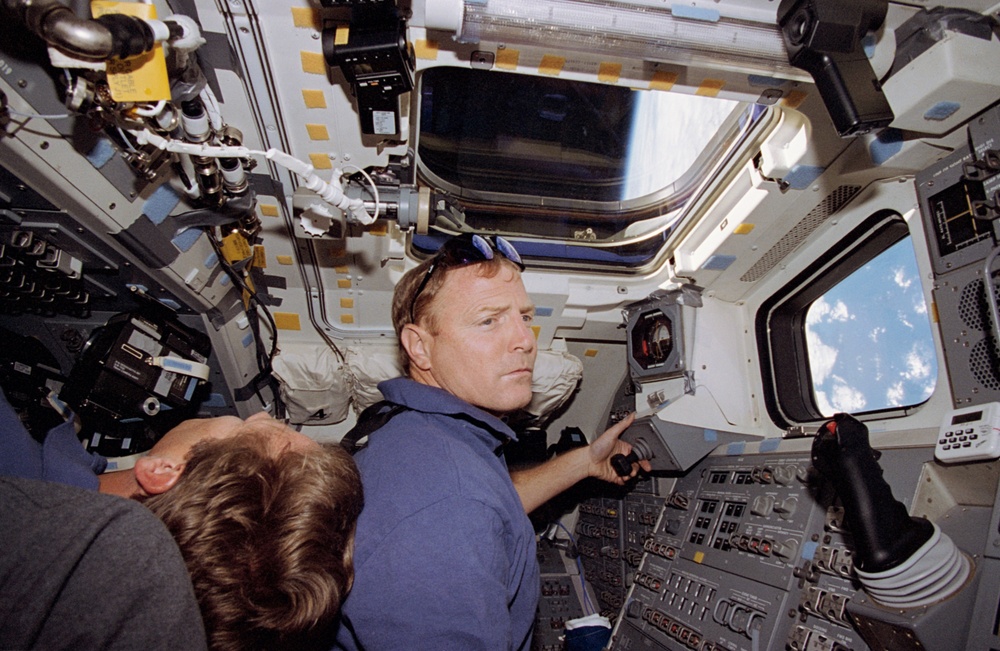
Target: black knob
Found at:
623, 463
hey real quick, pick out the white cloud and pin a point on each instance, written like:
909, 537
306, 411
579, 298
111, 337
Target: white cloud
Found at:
876, 333
899, 277
817, 311
821, 311
824, 405
840, 312
822, 358
920, 305
847, 399
894, 394
918, 366
904, 320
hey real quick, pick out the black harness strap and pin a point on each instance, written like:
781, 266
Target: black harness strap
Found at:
377, 415
371, 419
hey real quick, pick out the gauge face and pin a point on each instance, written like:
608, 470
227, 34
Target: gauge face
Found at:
955, 226
652, 339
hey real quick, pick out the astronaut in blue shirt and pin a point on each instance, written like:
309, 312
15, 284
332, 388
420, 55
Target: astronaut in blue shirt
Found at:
445, 552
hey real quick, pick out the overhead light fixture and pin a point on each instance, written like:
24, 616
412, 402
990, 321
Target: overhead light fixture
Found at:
659, 34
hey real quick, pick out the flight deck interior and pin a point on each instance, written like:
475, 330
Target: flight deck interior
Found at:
739, 218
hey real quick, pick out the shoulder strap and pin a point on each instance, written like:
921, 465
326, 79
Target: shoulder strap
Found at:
370, 420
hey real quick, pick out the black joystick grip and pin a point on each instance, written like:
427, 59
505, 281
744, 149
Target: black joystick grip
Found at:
623, 463
884, 533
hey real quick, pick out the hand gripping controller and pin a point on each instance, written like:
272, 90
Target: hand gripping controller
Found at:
884, 533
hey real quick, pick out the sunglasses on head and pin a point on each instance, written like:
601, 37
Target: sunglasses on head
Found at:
465, 249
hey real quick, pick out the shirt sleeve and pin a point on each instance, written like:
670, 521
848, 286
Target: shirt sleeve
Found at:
439, 580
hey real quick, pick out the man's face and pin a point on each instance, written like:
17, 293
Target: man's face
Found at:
178, 441
483, 350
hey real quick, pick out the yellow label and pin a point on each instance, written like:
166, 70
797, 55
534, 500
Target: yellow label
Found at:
342, 35
140, 78
663, 80
306, 17
286, 321
317, 132
551, 64
235, 248
609, 72
507, 58
423, 49
259, 257
710, 88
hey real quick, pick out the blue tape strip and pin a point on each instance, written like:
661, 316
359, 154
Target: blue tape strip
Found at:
214, 400
160, 203
101, 153
170, 364
695, 13
802, 175
887, 144
247, 339
736, 449
543, 311
770, 445
718, 262
762, 81
186, 239
711, 435
192, 384
212, 260
809, 550
941, 111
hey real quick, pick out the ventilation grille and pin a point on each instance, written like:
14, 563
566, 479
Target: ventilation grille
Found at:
983, 362
793, 238
984, 358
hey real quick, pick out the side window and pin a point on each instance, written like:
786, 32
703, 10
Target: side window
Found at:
851, 333
869, 338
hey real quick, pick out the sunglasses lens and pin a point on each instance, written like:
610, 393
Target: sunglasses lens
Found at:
483, 247
508, 251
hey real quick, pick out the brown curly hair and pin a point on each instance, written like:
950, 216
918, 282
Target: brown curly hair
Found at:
267, 538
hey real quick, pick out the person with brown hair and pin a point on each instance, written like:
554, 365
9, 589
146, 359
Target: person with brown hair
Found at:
445, 553
264, 518
267, 536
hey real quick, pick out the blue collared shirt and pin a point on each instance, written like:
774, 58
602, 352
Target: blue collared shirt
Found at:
61, 458
444, 553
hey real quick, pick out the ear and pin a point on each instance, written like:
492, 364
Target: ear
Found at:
416, 341
157, 475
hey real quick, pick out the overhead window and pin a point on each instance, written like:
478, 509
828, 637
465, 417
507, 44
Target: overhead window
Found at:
585, 171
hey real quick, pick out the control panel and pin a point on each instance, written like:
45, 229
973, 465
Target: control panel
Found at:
746, 553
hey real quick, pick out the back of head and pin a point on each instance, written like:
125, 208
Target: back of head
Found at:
268, 539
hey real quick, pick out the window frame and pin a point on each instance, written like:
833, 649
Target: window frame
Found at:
781, 321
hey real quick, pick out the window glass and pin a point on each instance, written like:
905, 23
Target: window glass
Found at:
577, 164
869, 338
